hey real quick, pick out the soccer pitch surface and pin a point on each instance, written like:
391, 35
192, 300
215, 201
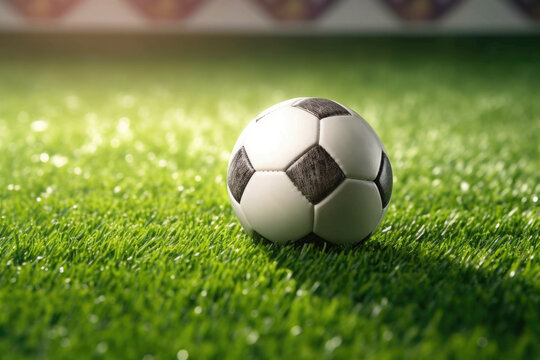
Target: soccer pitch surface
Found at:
117, 239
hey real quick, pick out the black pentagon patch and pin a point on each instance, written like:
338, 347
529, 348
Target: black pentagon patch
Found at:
315, 174
239, 173
321, 108
384, 180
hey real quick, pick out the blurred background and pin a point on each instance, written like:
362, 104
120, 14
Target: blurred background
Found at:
269, 16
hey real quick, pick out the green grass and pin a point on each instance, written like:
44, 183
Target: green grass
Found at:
117, 239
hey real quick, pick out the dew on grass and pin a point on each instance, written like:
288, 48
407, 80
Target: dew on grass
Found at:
197, 310
65, 342
39, 125
482, 342
89, 148
48, 192
102, 347
59, 160
252, 337
123, 126
296, 330
182, 354
224, 155
333, 344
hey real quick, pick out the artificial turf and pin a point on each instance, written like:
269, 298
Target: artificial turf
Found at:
117, 239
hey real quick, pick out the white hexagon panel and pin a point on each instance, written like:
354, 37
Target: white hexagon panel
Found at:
354, 113
353, 145
350, 214
275, 208
280, 137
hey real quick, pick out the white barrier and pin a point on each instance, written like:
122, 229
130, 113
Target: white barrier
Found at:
273, 16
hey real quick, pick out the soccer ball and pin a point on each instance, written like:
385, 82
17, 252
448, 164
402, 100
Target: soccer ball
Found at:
309, 168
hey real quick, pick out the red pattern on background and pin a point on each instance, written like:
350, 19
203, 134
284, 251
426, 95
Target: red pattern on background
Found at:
42, 9
295, 9
421, 10
167, 9
529, 7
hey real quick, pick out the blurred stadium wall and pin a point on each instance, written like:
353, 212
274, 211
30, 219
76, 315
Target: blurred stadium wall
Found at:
272, 16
